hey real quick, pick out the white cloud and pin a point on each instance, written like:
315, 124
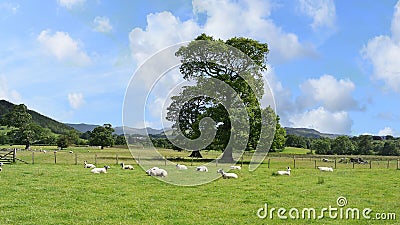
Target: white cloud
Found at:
251, 19
10, 7
332, 94
323, 121
8, 94
322, 12
76, 100
384, 54
69, 4
63, 47
102, 24
386, 131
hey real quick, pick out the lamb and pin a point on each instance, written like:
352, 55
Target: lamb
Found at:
227, 175
100, 170
201, 169
287, 172
236, 168
181, 167
155, 171
126, 167
326, 169
88, 165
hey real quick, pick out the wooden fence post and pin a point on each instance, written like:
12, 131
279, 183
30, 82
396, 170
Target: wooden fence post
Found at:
335, 163
269, 162
294, 163
165, 161
216, 162
14, 154
55, 157
397, 167
191, 162
33, 157
353, 164
315, 164
76, 159
388, 164
95, 159
370, 164
116, 158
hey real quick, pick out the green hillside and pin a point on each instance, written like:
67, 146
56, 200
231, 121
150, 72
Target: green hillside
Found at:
43, 121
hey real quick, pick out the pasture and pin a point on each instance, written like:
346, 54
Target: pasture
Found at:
65, 193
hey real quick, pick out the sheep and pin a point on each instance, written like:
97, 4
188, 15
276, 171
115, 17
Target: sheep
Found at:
155, 171
326, 169
1, 169
100, 170
287, 172
44, 151
201, 169
236, 168
126, 167
88, 165
71, 152
326, 160
1, 164
181, 167
227, 175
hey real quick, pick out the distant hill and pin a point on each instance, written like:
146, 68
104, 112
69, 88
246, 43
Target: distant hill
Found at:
43, 121
308, 133
82, 127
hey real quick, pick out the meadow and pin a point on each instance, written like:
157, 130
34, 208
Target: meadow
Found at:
65, 193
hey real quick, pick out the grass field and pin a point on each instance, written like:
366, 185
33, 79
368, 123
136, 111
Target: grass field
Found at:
65, 193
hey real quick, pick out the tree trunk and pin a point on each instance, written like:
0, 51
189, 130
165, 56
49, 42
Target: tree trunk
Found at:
27, 146
196, 154
102, 147
227, 156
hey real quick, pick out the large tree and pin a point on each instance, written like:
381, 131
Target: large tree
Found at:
206, 60
24, 131
102, 136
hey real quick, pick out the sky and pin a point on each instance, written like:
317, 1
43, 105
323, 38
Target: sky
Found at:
333, 66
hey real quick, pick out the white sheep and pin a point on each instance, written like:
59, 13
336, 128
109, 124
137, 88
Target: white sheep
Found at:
126, 167
155, 171
44, 151
88, 165
325, 169
236, 168
287, 172
1, 164
227, 175
100, 170
71, 152
181, 167
201, 169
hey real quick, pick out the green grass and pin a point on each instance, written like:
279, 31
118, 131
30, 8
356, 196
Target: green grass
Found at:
293, 150
64, 193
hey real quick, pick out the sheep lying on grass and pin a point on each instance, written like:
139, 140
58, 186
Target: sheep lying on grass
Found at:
126, 167
155, 171
88, 165
201, 169
100, 170
236, 168
227, 175
287, 172
325, 169
71, 152
181, 167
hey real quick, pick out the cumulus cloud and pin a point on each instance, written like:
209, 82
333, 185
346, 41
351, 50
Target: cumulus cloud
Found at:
323, 13
386, 131
334, 95
323, 121
164, 29
76, 100
102, 24
8, 94
63, 47
69, 4
383, 52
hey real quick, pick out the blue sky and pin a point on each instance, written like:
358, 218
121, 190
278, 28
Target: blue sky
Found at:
333, 65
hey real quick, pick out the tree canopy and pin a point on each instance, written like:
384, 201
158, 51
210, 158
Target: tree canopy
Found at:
102, 136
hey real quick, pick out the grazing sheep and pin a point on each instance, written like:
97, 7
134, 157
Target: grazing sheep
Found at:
181, 167
88, 165
155, 171
100, 170
71, 152
44, 151
201, 169
326, 169
227, 175
236, 168
126, 167
287, 172
326, 160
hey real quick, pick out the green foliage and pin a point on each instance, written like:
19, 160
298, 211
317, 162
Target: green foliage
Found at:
321, 146
390, 148
102, 136
68, 139
295, 141
279, 140
342, 145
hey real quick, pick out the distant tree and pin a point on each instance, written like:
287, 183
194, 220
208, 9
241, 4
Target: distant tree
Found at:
293, 140
321, 146
342, 145
102, 136
85, 135
24, 131
119, 139
364, 145
390, 148
279, 140
65, 140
